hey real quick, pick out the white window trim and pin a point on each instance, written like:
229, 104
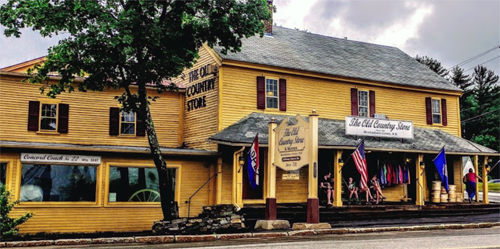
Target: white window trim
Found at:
120, 124
435, 113
367, 103
277, 94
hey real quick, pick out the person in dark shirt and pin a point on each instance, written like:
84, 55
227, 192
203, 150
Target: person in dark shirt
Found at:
327, 186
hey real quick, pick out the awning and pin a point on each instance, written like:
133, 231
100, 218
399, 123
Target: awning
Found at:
332, 136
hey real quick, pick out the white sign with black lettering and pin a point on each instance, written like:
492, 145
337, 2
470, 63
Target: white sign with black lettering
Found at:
374, 127
41, 158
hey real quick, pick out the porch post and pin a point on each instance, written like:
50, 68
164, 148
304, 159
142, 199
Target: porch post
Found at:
337, 176
218, 187
312, 200
419, 173
476, 170
271, 173
485, 181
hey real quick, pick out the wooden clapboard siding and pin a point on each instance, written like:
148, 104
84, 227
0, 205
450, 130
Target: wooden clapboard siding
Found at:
289, 191
331, 98
102, 216
88, 116
457, 173
200, 124
227, 182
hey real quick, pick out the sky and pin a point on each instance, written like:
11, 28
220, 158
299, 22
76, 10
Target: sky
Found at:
450, 31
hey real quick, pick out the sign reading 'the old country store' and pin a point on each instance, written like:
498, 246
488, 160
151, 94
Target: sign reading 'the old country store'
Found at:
292, 150
363, 126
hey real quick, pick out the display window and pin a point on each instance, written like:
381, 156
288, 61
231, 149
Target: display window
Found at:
58, 183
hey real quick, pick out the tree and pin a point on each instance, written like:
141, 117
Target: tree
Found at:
433, 64
464, 82
484, 123
120, 43
8, 225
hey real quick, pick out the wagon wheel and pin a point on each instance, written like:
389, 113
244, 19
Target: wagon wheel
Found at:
145, 195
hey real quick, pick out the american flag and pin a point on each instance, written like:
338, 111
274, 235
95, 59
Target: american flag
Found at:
360, 162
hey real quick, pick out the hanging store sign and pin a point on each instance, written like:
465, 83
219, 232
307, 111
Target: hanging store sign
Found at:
292, 152
41, 158
374, 127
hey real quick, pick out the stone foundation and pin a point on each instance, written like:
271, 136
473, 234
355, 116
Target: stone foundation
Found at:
213, 219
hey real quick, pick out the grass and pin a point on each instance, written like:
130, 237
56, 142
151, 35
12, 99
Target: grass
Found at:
492, 187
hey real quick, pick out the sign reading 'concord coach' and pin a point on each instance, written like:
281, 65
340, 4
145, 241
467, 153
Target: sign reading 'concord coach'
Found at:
374, 127
39, 158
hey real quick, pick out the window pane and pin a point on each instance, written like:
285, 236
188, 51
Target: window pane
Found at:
58, 183
3, 173
48, 124
363, 112
128, 128
272, 102
49, 110
363, 98
436, 119
128, 117
134, 184
435, 106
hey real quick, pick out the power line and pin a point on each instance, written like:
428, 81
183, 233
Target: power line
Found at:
474, 57
481, 64
463, 121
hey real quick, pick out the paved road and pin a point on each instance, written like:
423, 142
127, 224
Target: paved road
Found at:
464, 238
492, 196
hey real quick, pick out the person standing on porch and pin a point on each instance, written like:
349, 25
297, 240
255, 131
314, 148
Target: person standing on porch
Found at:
470, 183
326, 186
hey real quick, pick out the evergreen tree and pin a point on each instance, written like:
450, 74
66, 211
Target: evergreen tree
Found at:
484, 123
433, 64
464, 82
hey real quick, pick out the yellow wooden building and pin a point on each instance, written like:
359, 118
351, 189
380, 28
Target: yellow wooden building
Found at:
81, 165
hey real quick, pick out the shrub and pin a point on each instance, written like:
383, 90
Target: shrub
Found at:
8, 226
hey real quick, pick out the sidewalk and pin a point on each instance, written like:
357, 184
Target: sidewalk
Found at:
342, 227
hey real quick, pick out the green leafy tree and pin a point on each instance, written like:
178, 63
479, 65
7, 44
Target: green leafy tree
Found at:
433, 64
8, 226
120, 43
484, 123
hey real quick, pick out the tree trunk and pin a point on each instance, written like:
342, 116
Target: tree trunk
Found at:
161, 165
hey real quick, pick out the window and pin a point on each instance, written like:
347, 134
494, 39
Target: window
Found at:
3, 174
48, 116
272, 93
58, 183
127, 123
436, 111
136, 184
363, 104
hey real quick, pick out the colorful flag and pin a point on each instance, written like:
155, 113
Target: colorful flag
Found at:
360, 162
440, 162
253, 163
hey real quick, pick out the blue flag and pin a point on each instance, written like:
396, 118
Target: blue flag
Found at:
440, 162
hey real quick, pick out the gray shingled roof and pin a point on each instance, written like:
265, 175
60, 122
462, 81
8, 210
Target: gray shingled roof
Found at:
289, 48
332, 134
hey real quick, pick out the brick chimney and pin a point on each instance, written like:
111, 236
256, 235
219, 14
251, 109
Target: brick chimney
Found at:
269, 23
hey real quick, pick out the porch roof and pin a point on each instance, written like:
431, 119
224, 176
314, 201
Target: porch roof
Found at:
332, 135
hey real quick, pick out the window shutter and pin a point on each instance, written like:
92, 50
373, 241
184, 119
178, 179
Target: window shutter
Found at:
372, 103
282, 94
114, 121
140, 128
261, 92
33, 115
354, 102
428, 110
444, 112
62, 122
